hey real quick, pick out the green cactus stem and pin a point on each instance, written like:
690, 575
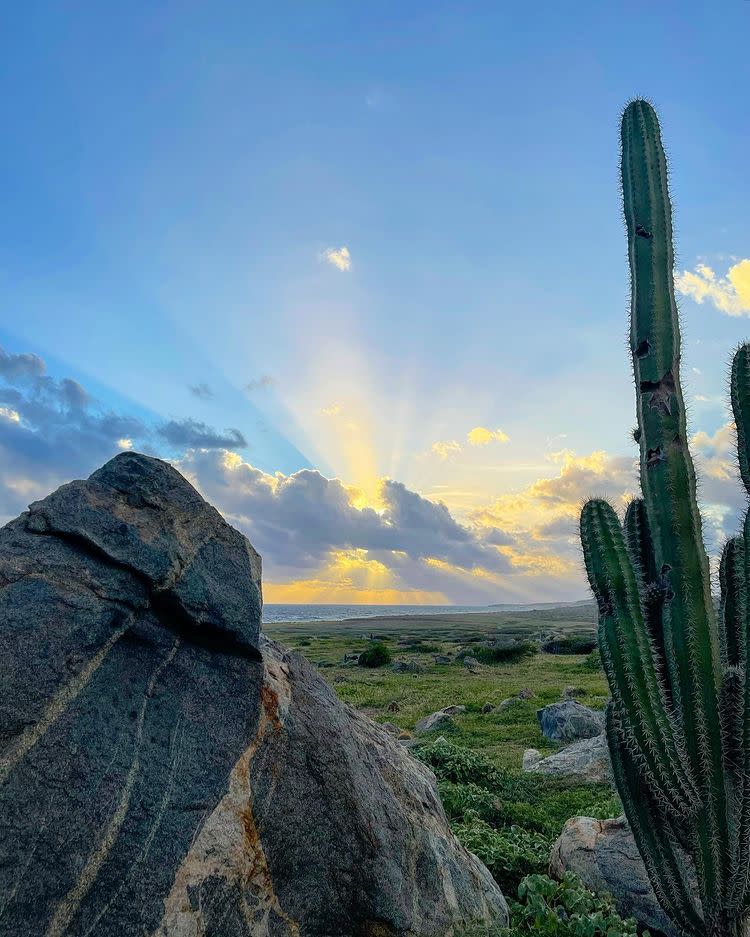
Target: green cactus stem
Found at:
679, 720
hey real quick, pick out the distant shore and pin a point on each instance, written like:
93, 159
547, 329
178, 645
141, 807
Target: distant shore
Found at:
577, 618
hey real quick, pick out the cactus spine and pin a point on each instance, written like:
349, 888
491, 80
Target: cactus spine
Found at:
678, 724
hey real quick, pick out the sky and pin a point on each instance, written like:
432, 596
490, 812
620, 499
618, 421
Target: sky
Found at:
359, 271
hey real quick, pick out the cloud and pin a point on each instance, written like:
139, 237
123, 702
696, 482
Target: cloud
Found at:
446, 449
729, 294
191, 434
201, 391
480, 436
15, 368
339, 257
52, 431
303, 523
260, 383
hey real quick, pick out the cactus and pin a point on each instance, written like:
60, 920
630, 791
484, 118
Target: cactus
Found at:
678, 723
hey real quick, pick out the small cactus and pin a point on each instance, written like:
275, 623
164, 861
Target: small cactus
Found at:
678, 723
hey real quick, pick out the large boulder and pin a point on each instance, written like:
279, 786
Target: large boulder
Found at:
166, 770
603, 853
568, 721
582, 762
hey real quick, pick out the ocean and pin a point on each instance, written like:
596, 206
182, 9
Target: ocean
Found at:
273, 613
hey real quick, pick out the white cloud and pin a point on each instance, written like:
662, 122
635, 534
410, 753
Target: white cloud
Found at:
339, 257
730, 294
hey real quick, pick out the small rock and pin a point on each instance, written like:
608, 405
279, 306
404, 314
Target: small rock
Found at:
452, 710
487, 708
440, 721
393, 706
442, 659
509, 703
569, 721
471, 663
571, 692
526, 693
531, 758
406, 666
583, 762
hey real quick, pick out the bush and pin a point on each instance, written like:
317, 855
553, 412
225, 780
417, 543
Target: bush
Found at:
376, 655
547, 908
593, 661
464, 766
465, 802
570, 645
509, 852
421, 647
503, 653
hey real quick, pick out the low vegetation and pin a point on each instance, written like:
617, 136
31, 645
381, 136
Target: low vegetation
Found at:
376, 655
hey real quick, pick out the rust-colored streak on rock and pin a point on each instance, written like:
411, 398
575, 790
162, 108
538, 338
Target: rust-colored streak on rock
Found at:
270, 702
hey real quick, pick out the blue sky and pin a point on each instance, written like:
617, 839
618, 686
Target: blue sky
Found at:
179, 181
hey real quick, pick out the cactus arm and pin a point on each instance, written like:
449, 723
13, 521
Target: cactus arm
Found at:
665, 864
668, 476
733, 605
651, 588
629, 662
740, 391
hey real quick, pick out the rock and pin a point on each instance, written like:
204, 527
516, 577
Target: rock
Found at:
352, 658
441, 721
526, 693
488, 708
390, 728
582, 762
393, 707
569, 720
531, 757
603, 853
471, 663
169, 772
406, 666
509, 703
453, 710
442, 659
571, 692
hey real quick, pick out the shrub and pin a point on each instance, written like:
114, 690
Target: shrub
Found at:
464, 766
421, 647
569, 645
547, 908
593, 661
376, 655
503, 654
509, 852
464, 802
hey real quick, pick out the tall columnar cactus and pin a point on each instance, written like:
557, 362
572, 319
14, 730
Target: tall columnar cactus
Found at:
679, 721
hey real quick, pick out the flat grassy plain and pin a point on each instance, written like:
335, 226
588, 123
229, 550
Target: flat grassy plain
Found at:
510, 819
